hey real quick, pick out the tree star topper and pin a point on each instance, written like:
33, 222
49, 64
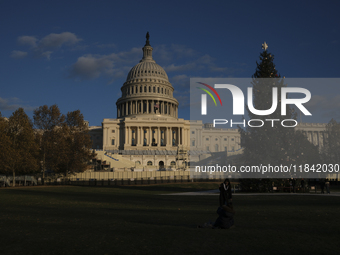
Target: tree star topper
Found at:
264, 46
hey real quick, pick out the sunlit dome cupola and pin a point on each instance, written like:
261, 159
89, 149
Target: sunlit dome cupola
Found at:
147, 90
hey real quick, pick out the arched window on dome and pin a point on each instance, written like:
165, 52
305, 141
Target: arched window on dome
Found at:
145, 89
154, 89
140, 89
149, 163
158, 90
149, 88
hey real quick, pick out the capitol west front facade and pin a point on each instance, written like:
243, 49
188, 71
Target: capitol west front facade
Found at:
148, 132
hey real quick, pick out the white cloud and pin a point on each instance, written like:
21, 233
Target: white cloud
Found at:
169, 57
29, 40
206, 59
45, 47
180, 78
18, 54
11, 104
53, 41
166, 54
113, 65
89, 67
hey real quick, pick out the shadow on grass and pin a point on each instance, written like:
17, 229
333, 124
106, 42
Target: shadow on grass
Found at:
136, 220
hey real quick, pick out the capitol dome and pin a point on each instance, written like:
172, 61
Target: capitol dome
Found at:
147, 69
147, 90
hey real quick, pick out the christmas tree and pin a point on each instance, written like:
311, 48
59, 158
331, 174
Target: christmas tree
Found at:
272, 143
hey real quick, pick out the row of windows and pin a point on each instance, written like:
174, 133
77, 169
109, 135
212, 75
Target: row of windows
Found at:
144, 80
216, 148
216, 139
148, 71
173, 163
134, 90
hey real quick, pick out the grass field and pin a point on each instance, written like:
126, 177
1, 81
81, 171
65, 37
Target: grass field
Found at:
138, 220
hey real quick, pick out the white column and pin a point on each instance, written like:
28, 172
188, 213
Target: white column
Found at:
141, 136
130, 136
117, 136
180, 136
150, 136
158, 136
126, 135
104, 137
137, 134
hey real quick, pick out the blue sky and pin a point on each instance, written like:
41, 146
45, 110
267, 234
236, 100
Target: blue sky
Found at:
77, 54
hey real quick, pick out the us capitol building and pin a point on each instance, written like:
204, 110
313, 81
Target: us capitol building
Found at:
147, 132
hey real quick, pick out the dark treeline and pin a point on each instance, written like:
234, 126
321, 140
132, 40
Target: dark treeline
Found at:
51, 142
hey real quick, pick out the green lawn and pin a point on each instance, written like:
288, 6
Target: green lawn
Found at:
138, 220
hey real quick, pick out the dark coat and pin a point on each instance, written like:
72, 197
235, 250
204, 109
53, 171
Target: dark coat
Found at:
225, 194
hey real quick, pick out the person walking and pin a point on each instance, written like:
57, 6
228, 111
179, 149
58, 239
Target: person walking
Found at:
303, 185
322, 186
225, 192
293, 184
327, 186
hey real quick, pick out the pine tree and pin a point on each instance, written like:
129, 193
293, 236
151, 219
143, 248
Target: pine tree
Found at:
272, 143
